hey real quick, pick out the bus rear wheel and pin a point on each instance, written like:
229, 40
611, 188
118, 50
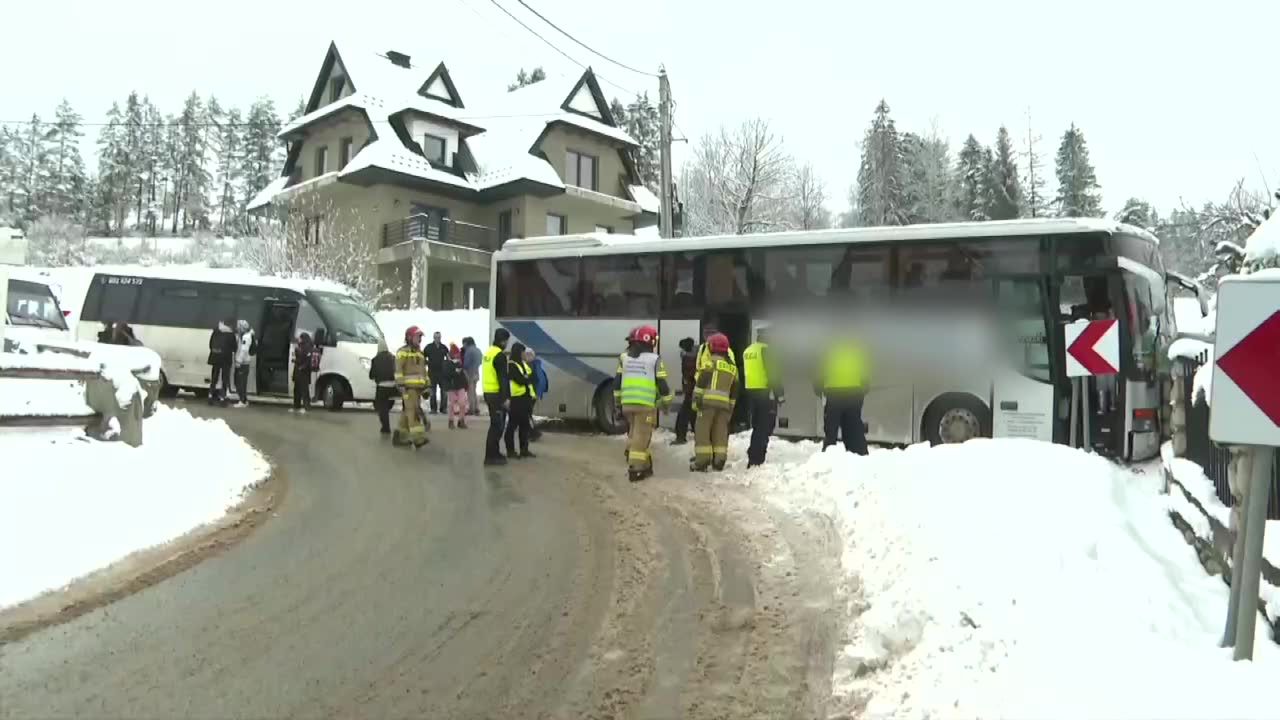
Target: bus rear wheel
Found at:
608, 415
956, 418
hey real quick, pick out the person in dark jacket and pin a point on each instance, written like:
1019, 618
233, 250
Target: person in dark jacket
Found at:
453, 381
222, 352
382, 371
302, 352
123, 335
522, 396
493, 381
107, 333
472, 358
541, 386
688, 370
436, 353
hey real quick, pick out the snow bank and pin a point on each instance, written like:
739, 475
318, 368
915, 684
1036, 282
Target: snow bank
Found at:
119, 375
1015, 579
453, 325
42, 398
1263, 246
70, 505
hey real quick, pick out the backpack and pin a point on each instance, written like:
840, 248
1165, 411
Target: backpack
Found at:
253, 345
316, 354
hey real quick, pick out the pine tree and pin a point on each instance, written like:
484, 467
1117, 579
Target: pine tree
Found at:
928, 178
67, 186
113, 188
260, 164
1078, 187
973, 180
643, 124
1139, 213
35, 171
1036, 203
525, 79
1005, 201
229, 167
881, 174
298, 110
153, 167
619, 112
135, 150
8, 174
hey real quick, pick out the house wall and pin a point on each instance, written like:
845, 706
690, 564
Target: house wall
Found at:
561, 138
350, 124
583, 215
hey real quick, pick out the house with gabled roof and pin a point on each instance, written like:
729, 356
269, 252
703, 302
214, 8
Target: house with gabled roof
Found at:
436, 181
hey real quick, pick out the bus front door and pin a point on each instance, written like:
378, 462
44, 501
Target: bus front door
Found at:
1022, 388
670, 333
274, 358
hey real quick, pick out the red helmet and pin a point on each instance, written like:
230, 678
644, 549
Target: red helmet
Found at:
413, 332
718, 343
646, 334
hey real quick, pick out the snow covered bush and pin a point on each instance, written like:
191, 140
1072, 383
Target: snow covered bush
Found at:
56, 241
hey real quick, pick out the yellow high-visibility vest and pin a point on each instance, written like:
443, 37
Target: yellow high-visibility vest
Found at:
756, 375
704, 357
844, 367
518, 390
488, 375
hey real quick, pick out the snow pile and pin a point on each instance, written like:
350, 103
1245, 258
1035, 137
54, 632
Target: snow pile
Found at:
453, 325
70, 505
1016, 579
1263, 246
42, 398
119, 375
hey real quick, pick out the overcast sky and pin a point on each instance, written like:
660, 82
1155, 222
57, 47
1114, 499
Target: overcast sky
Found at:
1177, 98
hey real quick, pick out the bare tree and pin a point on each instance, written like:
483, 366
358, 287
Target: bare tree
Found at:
808, 196
737, 182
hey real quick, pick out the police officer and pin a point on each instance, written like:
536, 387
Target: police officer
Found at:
493, 382
715, 393
640, 386
843, 386
764, 393
412, 379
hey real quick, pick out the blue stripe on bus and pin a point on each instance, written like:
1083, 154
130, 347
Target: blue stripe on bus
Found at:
552, 352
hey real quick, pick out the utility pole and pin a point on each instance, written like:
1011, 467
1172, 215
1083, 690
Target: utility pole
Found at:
664, 144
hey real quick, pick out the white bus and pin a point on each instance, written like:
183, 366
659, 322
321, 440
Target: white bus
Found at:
173, 311
573, 299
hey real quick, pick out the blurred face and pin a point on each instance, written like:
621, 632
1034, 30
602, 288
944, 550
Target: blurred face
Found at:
436, 337
417, 338
528, 356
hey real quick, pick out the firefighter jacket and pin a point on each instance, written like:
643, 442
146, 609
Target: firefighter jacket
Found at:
717, 384
411, 368
641, 380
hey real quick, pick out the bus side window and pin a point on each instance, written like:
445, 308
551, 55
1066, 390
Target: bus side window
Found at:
1021, 309
119, 302
862, 275
308, 320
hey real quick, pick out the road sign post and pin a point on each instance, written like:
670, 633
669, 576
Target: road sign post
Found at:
1245, 410
1092, 350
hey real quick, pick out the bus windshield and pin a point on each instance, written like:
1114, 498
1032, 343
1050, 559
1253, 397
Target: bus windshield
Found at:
346, 318
33, 304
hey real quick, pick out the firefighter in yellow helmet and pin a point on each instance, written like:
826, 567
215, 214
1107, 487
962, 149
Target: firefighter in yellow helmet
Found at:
640, 387
411, 377
714, 395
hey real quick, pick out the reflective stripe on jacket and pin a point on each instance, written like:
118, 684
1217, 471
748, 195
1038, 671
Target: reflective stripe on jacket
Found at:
640, 376
704, 357
411, 367
717, 384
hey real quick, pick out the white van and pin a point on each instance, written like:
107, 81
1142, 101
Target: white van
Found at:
173, 310
32, 312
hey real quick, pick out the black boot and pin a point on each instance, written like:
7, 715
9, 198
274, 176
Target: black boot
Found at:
495, 460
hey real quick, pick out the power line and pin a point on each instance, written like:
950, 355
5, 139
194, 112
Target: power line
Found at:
557, 49
584, 45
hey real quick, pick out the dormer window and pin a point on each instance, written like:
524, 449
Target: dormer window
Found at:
434, 148
335, 88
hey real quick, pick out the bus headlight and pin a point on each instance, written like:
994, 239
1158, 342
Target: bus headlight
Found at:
365, 363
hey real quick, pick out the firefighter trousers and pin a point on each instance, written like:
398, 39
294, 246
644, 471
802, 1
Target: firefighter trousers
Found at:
412, 428
641, 421
711, 437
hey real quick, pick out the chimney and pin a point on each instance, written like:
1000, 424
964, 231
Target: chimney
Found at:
398, 58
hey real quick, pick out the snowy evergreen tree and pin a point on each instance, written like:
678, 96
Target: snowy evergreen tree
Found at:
135, 150
152, 162
113, 186
229, 148
35, 170
194, 172
67, 184
299, 109
261, 163
525, 79
1138, 213
928, 178
1036, 202
1005, 198
619, 112
644, 125
882, 173
1078, 187
973, 180
9, 174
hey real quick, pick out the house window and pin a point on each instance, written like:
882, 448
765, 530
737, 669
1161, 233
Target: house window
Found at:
557, 224
504, 226
322, 159
581, 170
446, 296
311, 230
606, 229
434, 148
335, 88
344, 152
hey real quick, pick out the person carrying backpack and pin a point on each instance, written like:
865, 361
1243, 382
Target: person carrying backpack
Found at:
246, 347
222, 351
453, 381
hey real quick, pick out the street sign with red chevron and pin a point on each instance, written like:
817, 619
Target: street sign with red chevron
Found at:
1093, 347
1244, 407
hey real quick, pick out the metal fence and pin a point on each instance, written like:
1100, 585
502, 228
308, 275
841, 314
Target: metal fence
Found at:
1214, 458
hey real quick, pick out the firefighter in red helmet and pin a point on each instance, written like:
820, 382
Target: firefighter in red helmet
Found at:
640, 388
411, 377
714, 394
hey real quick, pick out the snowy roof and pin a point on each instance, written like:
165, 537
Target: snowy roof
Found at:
594, 243
509, 124
231, 276
645, 198
266, 194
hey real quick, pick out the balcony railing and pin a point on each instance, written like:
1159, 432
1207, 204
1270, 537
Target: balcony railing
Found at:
439, 229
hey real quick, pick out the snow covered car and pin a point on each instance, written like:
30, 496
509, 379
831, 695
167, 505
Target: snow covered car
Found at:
36, 323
